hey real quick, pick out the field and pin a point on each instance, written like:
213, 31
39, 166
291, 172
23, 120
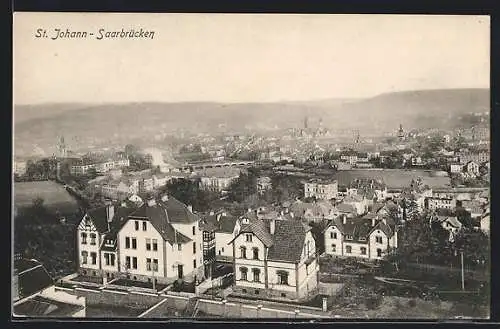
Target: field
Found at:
53, 194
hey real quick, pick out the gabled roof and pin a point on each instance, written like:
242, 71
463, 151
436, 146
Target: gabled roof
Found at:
452, 220
158, 215
41, 306
360, 228
289, 237
260, 228
32, 277
225, 224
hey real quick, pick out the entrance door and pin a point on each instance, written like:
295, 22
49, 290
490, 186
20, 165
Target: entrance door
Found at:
180, 273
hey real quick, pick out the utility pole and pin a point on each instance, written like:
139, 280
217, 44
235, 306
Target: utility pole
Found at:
462, 261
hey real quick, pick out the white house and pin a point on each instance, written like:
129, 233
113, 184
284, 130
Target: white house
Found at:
218, 179
456, 167
472, 167
159, 240
275, 259
369, 237
324, 190
226, 227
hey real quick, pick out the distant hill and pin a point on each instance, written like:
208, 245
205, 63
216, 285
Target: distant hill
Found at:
42, 124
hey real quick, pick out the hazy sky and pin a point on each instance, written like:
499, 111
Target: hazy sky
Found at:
233, 58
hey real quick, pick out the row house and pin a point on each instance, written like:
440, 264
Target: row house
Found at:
83, 166
275, 259
160, 240
478, 157
218, 179
369, 237
323, 190
434, 203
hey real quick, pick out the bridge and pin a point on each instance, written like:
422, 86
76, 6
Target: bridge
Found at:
222, 164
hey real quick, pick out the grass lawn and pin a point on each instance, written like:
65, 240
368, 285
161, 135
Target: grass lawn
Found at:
54, 195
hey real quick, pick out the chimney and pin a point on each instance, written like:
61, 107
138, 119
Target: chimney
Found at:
190, 208
344, 219
212, 213
249, 209
291, 214
373, 221
272, 227
219, 215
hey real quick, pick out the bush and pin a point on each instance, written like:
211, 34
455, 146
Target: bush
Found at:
373, 302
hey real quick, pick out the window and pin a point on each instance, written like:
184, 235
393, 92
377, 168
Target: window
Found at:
84, 238
179, 246
333, 235
348, 249
378, 239
93, 256
348, 237
379, 252
127, 262
144, 226
256, 292
148, 264
244, 291
84, 257
106, 258
112, 258
243, 271
155, 245
282, 277
256, 275
137, 225
127, 242
243, 252
334, 248
222, 249
134, 243
194, 247
362, 239
283, 295
134, 262
194, 263
148, 244
255, 253
92, 239
194, 230
249, 237
155, 265
363, 251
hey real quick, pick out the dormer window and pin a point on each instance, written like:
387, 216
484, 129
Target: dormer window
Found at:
348, 237
362, 239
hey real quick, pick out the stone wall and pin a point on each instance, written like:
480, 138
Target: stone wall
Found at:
167, 308
107, 297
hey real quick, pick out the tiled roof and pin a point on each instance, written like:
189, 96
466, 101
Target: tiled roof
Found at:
288, 239
260, 228
225, 224
361, 227
163, 214
346, 208
41, 306
33, 279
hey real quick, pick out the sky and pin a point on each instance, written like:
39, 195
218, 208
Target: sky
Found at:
246, 58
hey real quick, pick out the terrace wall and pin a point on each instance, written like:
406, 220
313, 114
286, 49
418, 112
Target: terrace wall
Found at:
108, 297
167, 308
